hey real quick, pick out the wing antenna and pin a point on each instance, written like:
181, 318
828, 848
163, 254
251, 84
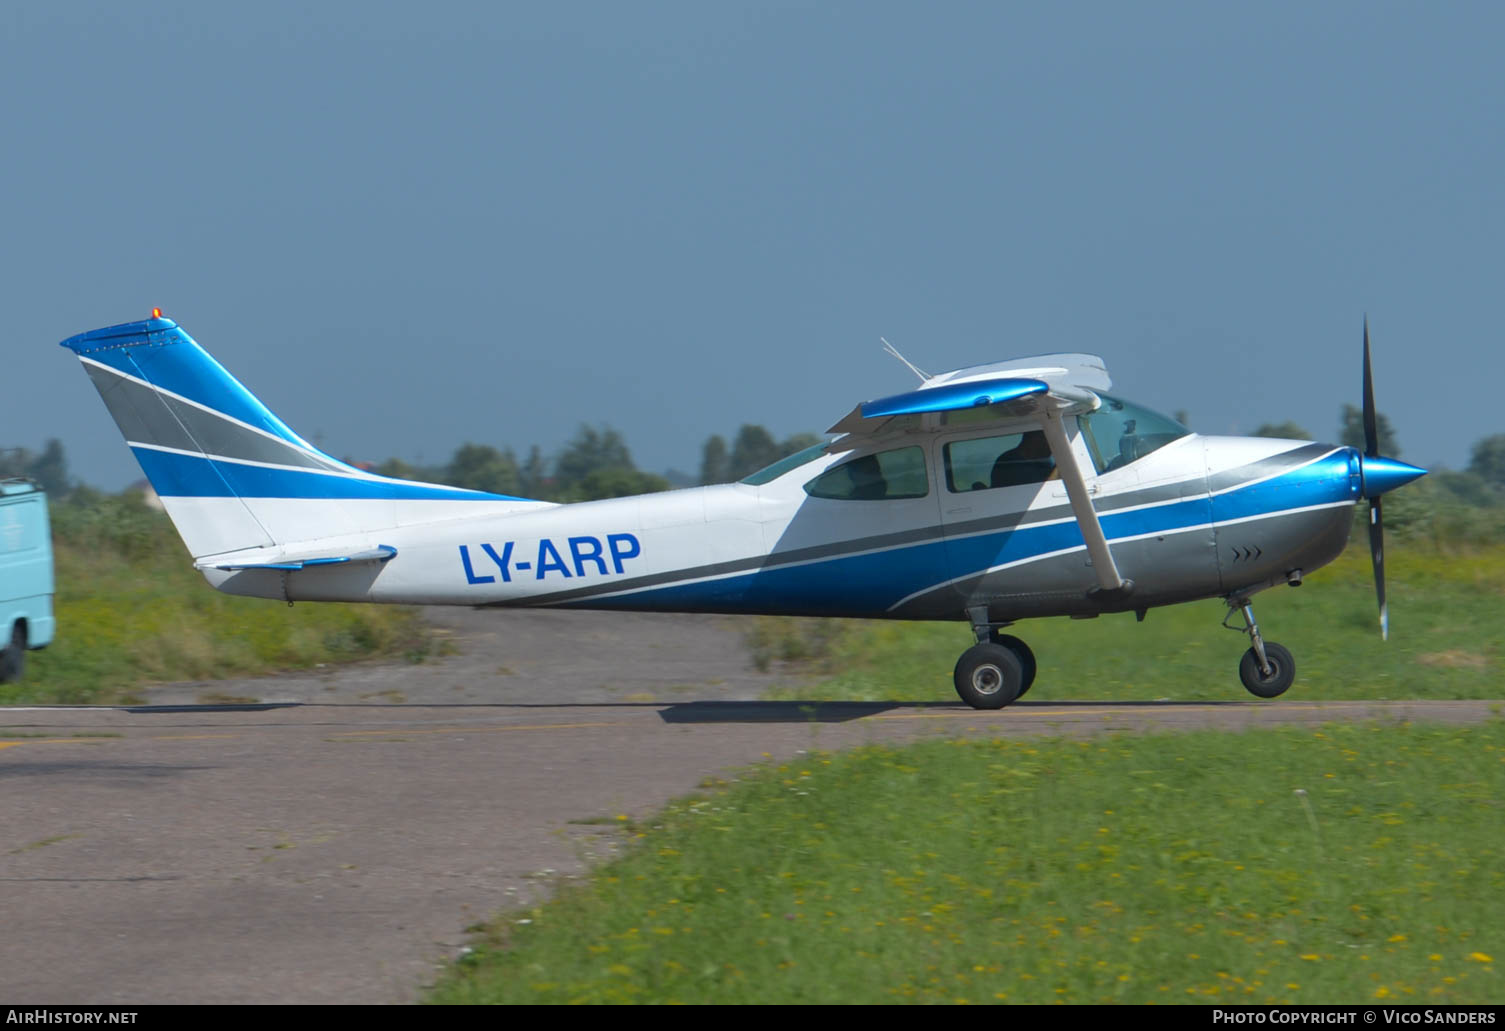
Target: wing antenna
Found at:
891, 349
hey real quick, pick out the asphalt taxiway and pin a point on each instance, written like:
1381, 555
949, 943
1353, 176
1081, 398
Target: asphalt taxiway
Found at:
309, 851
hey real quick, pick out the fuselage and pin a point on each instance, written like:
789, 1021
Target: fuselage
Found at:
925, 522
994, 493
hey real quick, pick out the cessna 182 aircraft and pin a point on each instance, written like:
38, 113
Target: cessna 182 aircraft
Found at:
993, 494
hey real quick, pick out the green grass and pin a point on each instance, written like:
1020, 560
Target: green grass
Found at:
1346, 864
131, 610
1446, 641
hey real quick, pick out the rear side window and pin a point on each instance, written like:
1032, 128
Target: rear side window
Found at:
989, 462
887, 475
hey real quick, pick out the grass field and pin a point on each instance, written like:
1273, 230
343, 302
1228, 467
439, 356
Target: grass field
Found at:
1447, 640
1345, 864
131, 610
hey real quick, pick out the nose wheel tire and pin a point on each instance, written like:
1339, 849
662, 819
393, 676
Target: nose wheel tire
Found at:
989, 676
1026, 660
1272, 684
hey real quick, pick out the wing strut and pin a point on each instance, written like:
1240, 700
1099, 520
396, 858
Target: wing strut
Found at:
1109, 582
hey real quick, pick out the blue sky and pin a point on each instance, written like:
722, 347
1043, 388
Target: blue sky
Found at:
409, 226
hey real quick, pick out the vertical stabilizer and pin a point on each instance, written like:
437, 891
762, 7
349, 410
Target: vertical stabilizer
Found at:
231, 474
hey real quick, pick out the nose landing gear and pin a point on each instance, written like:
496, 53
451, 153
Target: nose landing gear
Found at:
1267, 669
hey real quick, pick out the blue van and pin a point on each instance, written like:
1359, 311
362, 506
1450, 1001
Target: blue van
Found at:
25, 574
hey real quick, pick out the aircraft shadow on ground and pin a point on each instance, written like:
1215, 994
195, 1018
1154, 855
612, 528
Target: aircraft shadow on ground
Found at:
152, 710
777, 712
711, 711
842, 712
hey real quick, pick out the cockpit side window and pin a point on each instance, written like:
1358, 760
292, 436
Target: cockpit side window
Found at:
988, 462
899, 473
1120, 432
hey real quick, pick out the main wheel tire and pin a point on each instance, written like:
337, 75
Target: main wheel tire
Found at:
13, 655
1282, 671
1026, 659
988, 676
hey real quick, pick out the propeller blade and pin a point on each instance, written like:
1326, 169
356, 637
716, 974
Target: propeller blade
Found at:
1371, 426
1377, 557
1376, 510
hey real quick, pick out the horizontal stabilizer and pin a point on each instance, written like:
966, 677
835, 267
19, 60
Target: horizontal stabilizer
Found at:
381, 553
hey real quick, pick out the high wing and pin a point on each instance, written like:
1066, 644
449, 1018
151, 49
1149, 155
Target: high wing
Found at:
1065, 383
1046, 386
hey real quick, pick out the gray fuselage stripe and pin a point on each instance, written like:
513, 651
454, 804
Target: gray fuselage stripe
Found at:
1191, 487
147, 416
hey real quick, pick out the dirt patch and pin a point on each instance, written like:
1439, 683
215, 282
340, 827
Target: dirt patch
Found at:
1454, 659
530, 656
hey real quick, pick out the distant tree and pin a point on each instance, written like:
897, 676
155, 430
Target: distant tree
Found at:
798, 442
13, 462
590, 450
753, 449
482, 467
614, 482
1351, 431
397, 469
1487, 460
1467, 487
1287, 430
49, 469
533, 478
713, 460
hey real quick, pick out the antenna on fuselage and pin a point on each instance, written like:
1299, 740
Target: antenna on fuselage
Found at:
891, 349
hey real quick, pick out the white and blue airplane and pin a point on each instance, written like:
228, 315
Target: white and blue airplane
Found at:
992, 494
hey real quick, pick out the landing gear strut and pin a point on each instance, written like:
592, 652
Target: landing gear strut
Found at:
995, 671
1267, 668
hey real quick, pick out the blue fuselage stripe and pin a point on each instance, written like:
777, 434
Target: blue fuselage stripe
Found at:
1322, 482
874, 582
193, 476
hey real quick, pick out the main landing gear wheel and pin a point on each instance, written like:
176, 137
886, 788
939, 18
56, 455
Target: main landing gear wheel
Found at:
1024, 655
989, 676
1282, 670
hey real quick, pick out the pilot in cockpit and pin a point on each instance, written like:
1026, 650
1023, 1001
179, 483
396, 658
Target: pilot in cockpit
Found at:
1029, 461
866, 477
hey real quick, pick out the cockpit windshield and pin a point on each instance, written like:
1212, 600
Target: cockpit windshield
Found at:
783, 465
1120, 432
